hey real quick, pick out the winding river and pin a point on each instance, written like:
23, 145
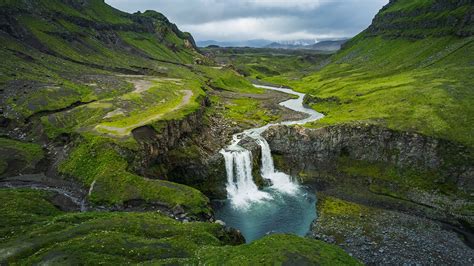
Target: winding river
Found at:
283, 207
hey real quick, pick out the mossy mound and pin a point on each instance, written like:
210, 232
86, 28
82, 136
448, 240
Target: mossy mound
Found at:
99, 165
92, 238
278, 250
40, 233
22, 208
18, 156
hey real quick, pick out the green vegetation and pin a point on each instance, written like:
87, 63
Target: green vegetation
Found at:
278, 250
94, 238
247, 110
30, 152
24, 155
22, 208
402, 179
91, 162
334, 207
34, 231
420, 86
263, 64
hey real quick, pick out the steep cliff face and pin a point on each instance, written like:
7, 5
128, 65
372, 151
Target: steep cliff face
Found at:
155, 145
408, 166
174, 155
374, 144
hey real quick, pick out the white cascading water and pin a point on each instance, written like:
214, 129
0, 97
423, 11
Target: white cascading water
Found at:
280, 181
241, 188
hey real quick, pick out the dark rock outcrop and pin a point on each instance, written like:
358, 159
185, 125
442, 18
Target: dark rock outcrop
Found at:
309, 149
155, 145
430, 177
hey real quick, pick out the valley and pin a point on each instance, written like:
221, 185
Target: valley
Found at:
122, 142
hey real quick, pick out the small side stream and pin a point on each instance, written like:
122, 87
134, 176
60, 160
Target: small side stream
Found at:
283, 207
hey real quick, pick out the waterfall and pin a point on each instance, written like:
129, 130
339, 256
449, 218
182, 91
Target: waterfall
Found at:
241, 189
280, 181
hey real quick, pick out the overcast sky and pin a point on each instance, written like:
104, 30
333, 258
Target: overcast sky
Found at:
276, 20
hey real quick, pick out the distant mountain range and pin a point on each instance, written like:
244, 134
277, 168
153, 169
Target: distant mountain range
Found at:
248, 43
327, 46
324, 45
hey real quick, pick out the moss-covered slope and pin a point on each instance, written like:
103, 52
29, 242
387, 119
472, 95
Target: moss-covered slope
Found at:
388, 76
422, 18
56, 52
34, 231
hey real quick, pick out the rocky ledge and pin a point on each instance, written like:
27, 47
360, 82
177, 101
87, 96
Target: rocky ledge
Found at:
389, 193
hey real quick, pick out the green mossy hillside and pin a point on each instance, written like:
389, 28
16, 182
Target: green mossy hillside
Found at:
421, 18
19, 156
278, 250
100, 165
421, 86
36, 232
22, 208
61, 53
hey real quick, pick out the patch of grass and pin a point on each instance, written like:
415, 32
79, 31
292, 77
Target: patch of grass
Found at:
278, 250
333, 207
30, 152
23, 208
229, 80
97, 163
21, 155
400, 179
248, 111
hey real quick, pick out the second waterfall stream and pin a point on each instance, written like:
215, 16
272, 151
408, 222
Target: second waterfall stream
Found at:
241, 188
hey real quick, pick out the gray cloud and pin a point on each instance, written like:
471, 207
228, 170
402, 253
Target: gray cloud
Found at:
230, 20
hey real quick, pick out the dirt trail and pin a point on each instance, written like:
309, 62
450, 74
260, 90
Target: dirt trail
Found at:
144, 83
124, 131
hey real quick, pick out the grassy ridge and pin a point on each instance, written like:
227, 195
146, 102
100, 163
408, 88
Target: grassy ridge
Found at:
54, 46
